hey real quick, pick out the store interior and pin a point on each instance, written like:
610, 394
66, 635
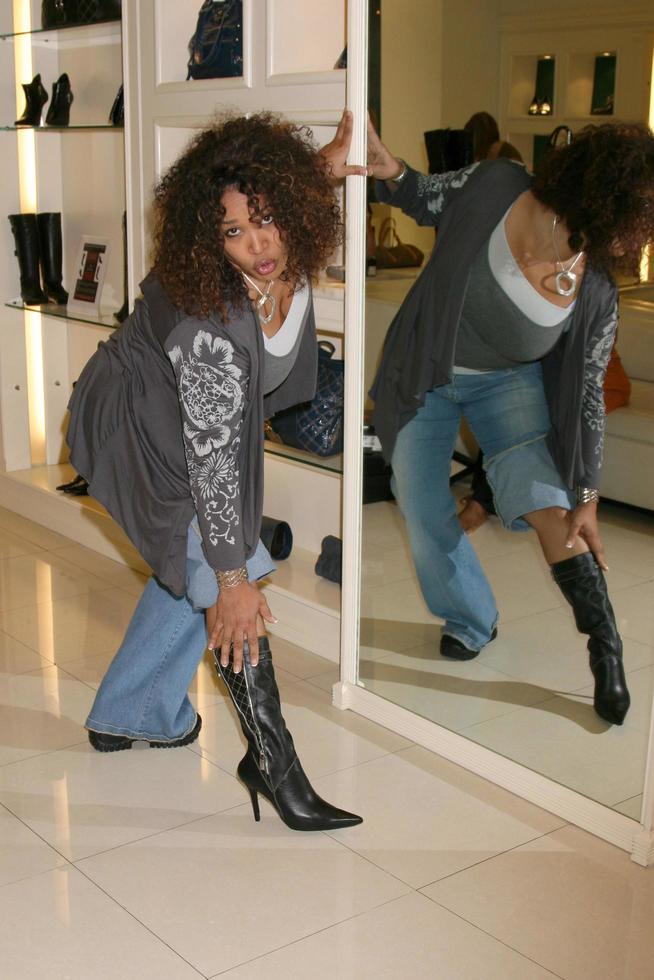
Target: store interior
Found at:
528, 700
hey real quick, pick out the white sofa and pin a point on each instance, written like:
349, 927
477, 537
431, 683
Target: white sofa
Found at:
628, 472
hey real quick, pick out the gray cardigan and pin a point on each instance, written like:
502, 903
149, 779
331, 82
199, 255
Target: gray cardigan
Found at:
167, 421
418, 353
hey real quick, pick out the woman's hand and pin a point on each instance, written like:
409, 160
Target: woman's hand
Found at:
382, 164
233, 620
582, 523
335, 153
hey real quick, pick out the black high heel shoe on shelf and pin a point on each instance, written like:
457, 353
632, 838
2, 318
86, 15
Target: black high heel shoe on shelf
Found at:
271, 766
35, 98
62, 98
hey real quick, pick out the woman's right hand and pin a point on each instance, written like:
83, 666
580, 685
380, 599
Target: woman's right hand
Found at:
383, 164
235, 622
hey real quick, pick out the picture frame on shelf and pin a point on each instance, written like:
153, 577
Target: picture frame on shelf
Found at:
91, 269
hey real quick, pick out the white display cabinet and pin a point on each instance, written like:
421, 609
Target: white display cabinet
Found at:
77, 171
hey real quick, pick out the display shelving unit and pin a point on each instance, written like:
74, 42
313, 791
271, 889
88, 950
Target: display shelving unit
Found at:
629, 36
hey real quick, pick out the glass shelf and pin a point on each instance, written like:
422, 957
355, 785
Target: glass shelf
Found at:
44, 32
61, 129
63, 313
333, 464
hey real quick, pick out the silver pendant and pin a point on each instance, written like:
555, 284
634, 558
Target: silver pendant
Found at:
261, 303
560, 278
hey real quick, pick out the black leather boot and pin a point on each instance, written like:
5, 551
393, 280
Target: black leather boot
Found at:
123, 312
59, 108
26, 237
117, 111
51, 255
582, 582
271, 766
35, 98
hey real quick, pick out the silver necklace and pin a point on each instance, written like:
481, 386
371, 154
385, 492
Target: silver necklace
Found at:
565, 275
264, 297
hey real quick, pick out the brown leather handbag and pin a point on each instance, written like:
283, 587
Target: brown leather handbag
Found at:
396, 254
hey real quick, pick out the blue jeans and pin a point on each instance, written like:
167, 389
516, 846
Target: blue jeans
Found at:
144, 693
508, 415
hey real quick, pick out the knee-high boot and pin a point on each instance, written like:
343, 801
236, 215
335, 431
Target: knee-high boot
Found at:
271, 766
582, 582
26, 236
50, 243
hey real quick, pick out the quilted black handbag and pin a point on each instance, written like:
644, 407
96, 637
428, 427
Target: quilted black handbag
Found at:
317, 426
68, 13
216, 48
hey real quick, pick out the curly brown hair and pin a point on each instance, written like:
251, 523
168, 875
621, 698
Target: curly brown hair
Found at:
602, 186
273, 162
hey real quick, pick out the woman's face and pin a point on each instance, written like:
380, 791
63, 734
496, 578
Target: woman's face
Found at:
253, 245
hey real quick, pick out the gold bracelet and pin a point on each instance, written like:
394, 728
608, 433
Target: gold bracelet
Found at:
232, 578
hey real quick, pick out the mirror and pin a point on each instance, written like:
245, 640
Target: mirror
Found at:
529, 694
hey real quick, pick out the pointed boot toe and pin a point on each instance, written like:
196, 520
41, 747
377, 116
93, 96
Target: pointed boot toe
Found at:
611, 700
294, 799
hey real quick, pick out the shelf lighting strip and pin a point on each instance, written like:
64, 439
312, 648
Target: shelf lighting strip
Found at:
29, 205
647, 257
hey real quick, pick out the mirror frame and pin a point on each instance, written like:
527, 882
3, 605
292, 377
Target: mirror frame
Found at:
635, 837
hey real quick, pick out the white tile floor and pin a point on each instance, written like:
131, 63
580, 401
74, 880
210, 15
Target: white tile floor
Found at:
147, 865
529, 694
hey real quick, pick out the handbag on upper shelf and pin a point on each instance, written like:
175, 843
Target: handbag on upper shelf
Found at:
216, 48
70, 13
397, 254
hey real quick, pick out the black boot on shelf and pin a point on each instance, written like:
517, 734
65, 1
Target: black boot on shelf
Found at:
123, 312
26, 237
582, 582
51, 256
59, 108
117, 113
35, 98
271, 767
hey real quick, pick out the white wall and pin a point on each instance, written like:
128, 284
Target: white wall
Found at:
470, 59
411, 90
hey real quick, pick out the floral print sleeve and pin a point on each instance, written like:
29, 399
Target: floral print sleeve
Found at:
423, 196
598, 353
212, 388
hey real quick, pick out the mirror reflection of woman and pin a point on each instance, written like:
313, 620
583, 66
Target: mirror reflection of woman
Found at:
510, 325
167, 425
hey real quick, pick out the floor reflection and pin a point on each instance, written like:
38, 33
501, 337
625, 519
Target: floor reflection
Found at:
529, 694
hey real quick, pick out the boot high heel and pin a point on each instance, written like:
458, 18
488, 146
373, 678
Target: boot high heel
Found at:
271, 767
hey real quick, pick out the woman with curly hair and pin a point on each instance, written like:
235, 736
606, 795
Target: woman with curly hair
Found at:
510, 325
167, 426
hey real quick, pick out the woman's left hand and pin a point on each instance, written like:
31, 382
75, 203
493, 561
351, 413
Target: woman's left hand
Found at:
582, 523
335, 153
